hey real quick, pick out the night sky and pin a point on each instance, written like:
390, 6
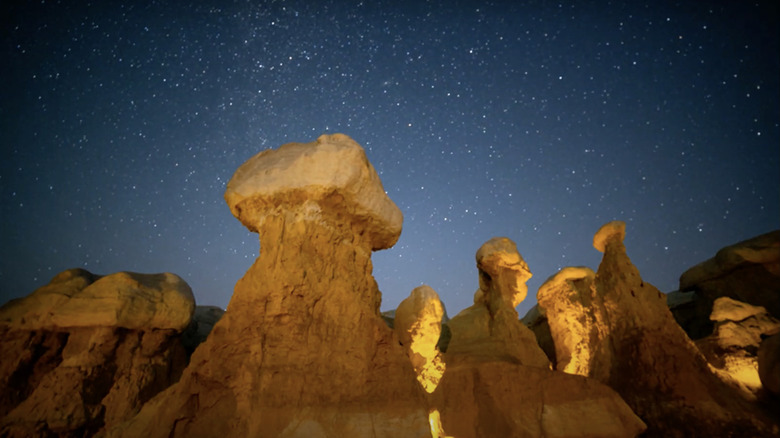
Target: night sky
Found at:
121, 123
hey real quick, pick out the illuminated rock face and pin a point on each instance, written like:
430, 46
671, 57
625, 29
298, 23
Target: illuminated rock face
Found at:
301, 350
569, 302
616, 328
418, 327
732, 349
491, 328
84, 352
498, 382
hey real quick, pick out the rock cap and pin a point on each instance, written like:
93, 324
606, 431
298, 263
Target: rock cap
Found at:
331, 171
607, 232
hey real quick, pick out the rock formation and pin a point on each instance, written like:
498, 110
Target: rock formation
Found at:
732, 348
418, 327
769, 364
498, 382
84, 352
616, 328
301, 350
747, 271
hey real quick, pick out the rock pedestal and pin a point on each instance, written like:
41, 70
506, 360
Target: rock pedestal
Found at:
301, 350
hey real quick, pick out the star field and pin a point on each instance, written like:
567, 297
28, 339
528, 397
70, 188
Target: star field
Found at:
122, 122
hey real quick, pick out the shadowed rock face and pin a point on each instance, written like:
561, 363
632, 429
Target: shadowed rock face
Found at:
301, 349
747, 271
84, 352
497, 380
616, 328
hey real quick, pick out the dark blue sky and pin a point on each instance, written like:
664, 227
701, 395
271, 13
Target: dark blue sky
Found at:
121, 123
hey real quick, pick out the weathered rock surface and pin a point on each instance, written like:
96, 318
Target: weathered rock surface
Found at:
84, 352
732, 348
747, 271
498, 382
769, 364
491, 325
78, 298
418, 327
576, 323
301, 350
618, 329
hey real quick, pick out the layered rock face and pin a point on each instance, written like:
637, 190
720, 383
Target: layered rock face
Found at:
747, 271
301, 350
85, 352
498, 382
616, 328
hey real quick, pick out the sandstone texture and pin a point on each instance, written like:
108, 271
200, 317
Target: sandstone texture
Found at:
747, 271
85, 352
616, 328
769, 364
498, 382
732, 348
301, 350
417, 324
332, 173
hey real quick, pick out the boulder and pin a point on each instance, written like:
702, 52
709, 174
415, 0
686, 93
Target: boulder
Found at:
498, 382
85, 352
617, 328
203, 321
301, 349
417, 324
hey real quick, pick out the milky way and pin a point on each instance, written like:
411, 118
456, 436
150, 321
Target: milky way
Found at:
121, 123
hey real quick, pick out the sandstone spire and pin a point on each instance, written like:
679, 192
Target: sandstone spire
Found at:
301, 350
617, 328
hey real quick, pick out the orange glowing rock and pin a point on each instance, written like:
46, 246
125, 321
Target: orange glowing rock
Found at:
418, 327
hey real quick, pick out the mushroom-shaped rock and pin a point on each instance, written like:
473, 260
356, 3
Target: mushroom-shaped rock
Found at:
418, 327
502, 268
309, 353
491, 327
332, 172
77, 298
611, 231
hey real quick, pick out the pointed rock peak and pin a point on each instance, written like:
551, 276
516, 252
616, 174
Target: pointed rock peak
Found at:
611, 231
501, 270
329, 174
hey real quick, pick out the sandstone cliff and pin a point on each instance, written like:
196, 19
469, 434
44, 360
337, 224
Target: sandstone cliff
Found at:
301, 350
85, 352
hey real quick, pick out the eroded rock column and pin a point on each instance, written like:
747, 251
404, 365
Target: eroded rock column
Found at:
301, 350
